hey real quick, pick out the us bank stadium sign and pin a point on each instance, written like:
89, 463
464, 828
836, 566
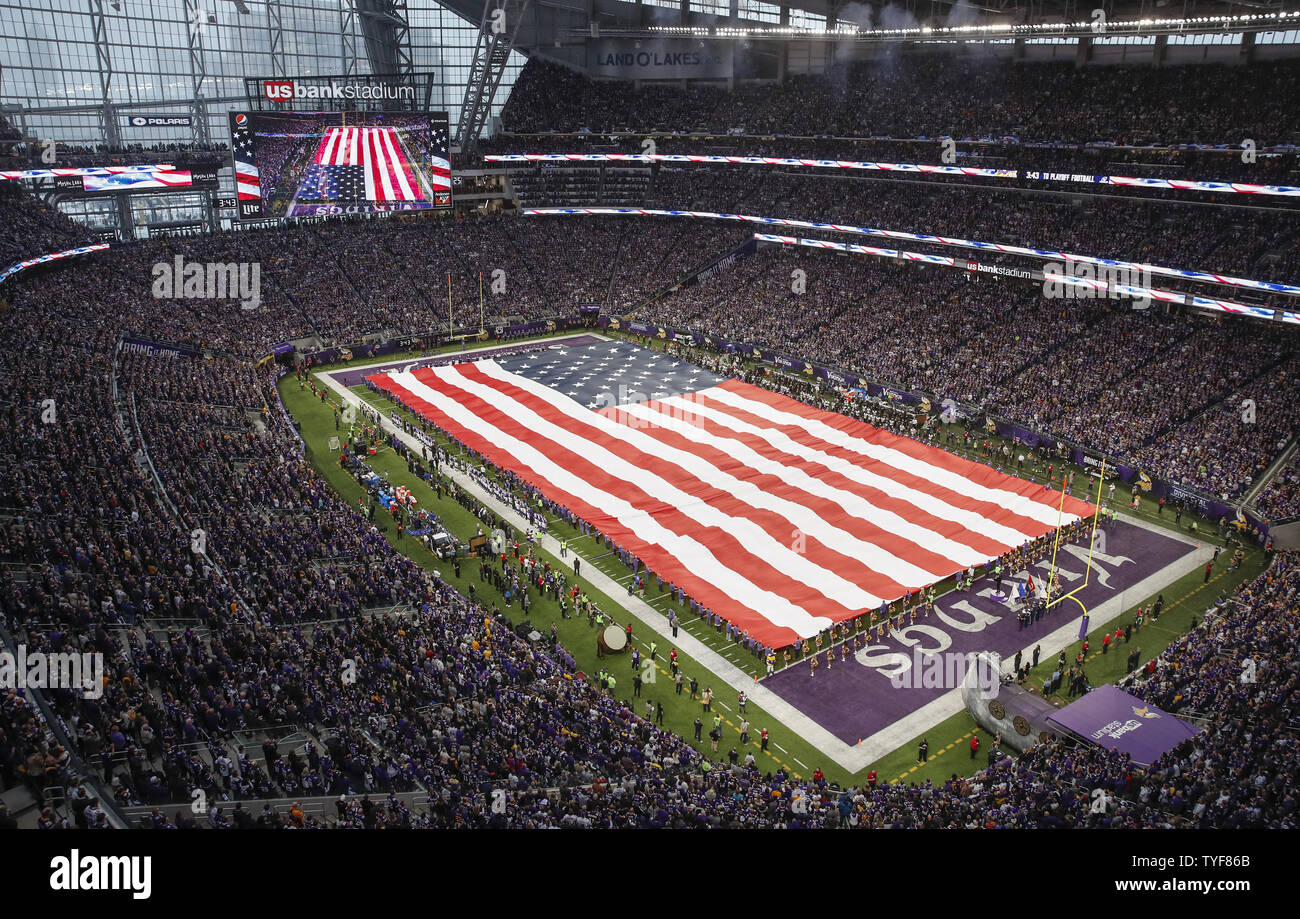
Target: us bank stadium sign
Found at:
1001, 270
393, 92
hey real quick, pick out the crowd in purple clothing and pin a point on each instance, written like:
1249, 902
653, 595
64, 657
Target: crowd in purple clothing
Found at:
210, 652
932, 96
1238, 672
1280, 498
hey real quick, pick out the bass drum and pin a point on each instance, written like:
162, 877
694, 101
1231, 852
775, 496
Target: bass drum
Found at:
613, 640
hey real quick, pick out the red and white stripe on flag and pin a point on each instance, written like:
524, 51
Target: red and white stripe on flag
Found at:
779, 517
388, 176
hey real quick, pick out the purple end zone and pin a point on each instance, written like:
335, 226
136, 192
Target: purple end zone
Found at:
855, 697
356, 377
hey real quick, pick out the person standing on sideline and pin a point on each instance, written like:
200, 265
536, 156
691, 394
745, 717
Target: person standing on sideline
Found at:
974, 744
762, 737
923, 752
699, 726
707, 698
1037, 650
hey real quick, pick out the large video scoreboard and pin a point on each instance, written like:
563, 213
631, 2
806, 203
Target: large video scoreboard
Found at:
323, 163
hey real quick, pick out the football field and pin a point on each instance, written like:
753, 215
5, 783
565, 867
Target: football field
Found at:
852, 713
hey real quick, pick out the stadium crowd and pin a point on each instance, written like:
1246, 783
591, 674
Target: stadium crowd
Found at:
1221, 241
158, 510
33, 229
1165, 392
1181, 162
1216, 104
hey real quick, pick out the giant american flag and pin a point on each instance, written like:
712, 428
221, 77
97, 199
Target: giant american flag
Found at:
248, 181
780, 517
363, 163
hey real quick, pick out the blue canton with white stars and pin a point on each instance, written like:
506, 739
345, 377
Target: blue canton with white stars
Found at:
611, 373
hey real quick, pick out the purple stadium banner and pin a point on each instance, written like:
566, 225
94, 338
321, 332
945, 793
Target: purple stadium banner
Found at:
155, 348
1115, 720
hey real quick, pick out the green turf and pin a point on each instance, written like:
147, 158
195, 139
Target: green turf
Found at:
948, 741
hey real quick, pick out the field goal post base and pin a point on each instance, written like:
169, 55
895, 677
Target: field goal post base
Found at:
1092, 545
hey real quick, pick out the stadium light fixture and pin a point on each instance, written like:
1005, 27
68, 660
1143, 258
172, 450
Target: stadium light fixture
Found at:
850, 31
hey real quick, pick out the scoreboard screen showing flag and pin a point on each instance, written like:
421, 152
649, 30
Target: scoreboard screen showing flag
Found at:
780, 517
315, 164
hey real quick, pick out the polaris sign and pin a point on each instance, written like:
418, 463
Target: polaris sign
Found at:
160, 121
